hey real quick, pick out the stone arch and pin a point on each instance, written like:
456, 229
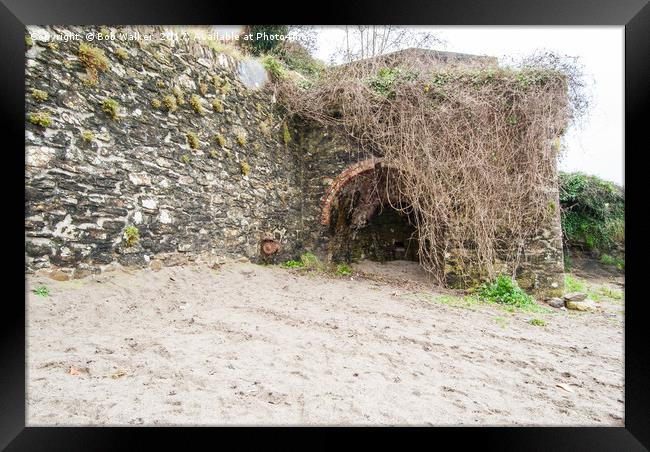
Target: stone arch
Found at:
368, 217
341, 181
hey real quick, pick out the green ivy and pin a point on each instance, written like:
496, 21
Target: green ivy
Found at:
382, 83
274, 66
593, 212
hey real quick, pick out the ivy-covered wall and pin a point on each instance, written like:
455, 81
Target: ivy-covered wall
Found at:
158, 152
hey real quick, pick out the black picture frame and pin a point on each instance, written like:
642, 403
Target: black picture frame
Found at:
633, 14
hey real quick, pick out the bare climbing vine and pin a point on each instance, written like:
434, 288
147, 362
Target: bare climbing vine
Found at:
472, 148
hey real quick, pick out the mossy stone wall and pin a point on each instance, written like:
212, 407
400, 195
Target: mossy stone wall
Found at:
142, 145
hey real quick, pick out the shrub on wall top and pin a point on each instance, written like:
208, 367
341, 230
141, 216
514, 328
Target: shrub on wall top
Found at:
262, 38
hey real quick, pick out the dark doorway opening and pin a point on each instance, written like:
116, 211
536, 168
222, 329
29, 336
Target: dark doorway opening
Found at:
371, 222
388, 236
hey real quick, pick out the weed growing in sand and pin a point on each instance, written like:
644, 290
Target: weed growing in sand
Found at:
594, 296
609, 260
292, 264
537, 322
572, 284
505, 290
42, 291
501, 321
473, 300
611, 293
343, 270
534, 308
467, 302
448, 299
311, 261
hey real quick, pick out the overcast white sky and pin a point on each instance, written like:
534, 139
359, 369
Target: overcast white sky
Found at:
597, 147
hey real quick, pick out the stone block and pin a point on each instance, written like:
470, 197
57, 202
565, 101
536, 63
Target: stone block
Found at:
575, 296
586, 305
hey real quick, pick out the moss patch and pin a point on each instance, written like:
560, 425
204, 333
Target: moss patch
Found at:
245, 168
112, 108
193, 140
217, 106
220, 139
180, 96
265, 129
195, 102
94, 60
122, 54
131, 236
286, 136
170, 103
241, 139
39, 95
41, 118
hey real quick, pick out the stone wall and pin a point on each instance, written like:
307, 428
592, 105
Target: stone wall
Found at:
201, 179
542, 271
172, 151
325, 154
332, 161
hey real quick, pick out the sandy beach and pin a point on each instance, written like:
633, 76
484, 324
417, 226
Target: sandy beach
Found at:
245, 344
